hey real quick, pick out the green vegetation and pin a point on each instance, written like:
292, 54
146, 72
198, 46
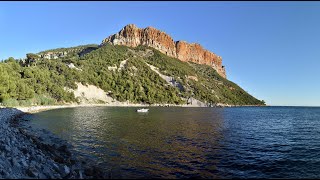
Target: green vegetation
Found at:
209, 87
41, 81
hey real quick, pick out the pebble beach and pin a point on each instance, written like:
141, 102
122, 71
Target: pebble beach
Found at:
30, 153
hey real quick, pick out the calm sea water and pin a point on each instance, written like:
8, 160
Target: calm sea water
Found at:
244, 142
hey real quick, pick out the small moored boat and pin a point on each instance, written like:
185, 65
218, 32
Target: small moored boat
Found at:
142, 110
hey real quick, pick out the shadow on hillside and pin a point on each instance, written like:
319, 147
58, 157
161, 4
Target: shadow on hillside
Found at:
86, 51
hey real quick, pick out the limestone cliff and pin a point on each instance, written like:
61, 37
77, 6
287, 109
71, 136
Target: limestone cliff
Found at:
133, 36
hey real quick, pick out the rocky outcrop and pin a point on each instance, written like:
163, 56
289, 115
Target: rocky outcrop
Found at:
90, 94
64, 52
53, 55
195, 53
133, 36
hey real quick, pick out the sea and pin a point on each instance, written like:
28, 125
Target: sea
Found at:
180, 142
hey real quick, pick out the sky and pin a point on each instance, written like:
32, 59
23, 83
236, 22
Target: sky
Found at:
270, 49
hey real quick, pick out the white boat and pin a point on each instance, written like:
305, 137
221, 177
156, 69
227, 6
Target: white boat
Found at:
142, 110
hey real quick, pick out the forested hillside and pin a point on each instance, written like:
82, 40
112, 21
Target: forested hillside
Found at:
122, 72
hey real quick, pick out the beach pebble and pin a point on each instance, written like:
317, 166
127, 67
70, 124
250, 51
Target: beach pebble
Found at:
7, 148
14, 162
32, 172
66, 170
24, 163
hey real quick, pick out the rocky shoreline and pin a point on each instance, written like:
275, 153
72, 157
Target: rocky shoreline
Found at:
27, 152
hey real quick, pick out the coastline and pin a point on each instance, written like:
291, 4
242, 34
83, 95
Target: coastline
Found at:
35, 109
27, 152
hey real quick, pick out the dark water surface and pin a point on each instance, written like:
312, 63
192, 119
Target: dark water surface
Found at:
245, 142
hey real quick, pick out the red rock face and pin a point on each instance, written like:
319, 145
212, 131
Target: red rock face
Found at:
132, 36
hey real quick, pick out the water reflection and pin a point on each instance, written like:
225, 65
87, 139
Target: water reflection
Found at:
193, 142
166, 142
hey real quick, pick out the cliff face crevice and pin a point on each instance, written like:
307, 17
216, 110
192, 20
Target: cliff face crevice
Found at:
133, 36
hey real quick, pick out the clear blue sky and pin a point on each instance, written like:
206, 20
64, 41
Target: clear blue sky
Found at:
271, 49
